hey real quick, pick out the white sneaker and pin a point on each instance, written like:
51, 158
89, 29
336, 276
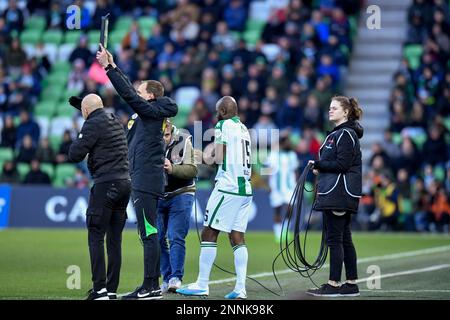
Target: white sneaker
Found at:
237, 295
193, 289
164, 287
174, 284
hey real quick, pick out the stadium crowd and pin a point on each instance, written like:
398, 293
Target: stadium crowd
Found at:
283, 73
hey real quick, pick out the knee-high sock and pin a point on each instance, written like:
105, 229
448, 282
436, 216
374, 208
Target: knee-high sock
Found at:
240, 265
208, 253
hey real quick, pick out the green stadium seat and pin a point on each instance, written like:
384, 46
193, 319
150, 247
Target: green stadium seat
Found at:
63, 109
439, 173
123, 23
52, 36
237, 35
51, 93
6, 154
397, 138
30, 36
23, 169
55, 142
45, 109
447, 123
413, 53
70, 92
58, 79
295, 138
62, 172
72, 36
251, 37
49, 169
116, 36
419, 140
61, 66
255, 25
93, 36
146, 25
36, 23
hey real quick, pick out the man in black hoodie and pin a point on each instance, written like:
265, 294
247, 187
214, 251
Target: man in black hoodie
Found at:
146, 155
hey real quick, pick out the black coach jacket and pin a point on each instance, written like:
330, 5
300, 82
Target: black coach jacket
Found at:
103, 138
145, 135
340, 169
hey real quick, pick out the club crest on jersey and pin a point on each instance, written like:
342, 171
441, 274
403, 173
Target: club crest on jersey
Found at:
131, 121
330, 143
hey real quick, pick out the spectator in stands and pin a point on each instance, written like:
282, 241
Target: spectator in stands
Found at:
235, 15
101, 9
290, 116
15, 57
328, 67
10, 174
80, 181
55, 17
386, 198
44, 152
38, 6
82, 52
420, 199
29, 127
77, 76
134, 39
434, 149
439, 214
190, 70
409, 157
157, 40
63, 151
27, 151
14, 16
36, 175
9, 133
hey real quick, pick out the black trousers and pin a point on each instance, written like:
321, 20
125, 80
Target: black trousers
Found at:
339, 241
146, 205
106, 215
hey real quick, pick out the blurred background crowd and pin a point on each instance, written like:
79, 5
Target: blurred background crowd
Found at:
282, 63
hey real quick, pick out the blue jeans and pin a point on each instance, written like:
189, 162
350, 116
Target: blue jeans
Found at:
173, 225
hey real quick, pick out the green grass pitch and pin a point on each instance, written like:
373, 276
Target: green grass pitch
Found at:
34, 265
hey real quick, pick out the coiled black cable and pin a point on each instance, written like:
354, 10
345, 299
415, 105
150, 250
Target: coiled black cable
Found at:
293, 252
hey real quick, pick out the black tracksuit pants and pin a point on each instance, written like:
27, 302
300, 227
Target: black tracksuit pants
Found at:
145, 205
339, 241
106, 215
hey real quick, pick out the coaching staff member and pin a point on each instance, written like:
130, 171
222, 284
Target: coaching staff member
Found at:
146, 156
338, 192
103, 138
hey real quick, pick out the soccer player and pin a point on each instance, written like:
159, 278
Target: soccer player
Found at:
282, 181
229, 204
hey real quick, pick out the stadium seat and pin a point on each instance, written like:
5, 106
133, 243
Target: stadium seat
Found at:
44, 123
439, 173
59, 125
94, 37
57, 78
251, 37
55, 142
187, 96
23, 169
203, 185
72, 36
30, 36
255, 25
65, 50
146, 25
52, 36
45, 109
36, 23
51, 93
413, 53
123, 23
62, 66
6, 154
63, 109
116, 37
419, 140
49, 169
62, 172
397, 138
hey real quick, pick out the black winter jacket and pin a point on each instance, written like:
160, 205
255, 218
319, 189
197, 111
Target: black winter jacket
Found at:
340, 169
103, 137
145, 135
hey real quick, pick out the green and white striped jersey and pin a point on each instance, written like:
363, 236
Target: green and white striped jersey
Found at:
233, 176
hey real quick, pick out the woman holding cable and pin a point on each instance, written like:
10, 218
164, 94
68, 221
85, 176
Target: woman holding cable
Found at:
339, 172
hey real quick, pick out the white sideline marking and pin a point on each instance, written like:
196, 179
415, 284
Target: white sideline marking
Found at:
406, 291
393, 256
402, 273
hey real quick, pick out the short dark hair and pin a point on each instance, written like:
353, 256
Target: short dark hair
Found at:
155, 87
